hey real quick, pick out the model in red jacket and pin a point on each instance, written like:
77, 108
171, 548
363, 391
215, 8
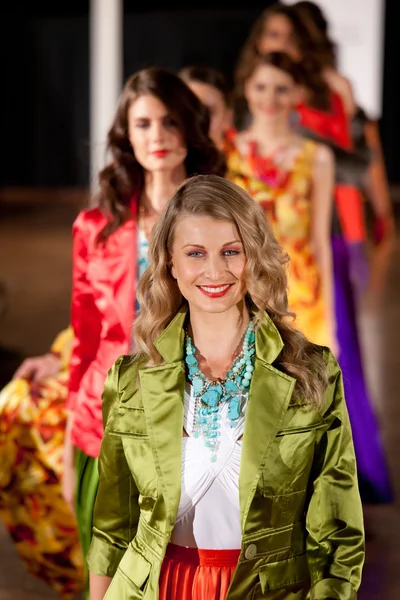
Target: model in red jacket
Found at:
159, 137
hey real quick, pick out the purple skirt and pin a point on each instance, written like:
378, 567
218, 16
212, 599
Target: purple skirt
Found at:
374, 480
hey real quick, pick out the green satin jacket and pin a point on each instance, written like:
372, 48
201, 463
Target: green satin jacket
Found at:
301, 514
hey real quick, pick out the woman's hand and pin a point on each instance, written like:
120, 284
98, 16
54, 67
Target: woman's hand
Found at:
38, 368
99, 585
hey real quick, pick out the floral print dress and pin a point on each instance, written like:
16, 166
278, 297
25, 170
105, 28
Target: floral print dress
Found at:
285, 197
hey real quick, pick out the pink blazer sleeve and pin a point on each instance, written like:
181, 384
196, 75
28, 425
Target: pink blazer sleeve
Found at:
85, 318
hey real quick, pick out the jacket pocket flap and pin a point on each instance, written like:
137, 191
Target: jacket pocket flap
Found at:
135, 567
285, 574
302, 429
130, 422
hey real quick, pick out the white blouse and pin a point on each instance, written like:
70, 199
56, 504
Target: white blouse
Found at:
209, 512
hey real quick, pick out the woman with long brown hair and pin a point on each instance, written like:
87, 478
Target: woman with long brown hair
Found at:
292, 178
285, 205
159, 137
320, 111
212, 88
227, 469
371, 174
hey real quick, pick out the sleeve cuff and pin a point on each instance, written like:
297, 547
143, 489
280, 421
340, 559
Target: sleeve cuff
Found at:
333, 589
103, 558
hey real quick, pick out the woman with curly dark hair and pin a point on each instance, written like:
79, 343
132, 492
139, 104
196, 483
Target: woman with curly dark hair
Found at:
158, 139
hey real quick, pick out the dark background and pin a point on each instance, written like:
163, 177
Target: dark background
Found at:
44, 49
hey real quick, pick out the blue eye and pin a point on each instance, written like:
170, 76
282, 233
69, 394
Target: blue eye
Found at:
231, 252
195, 254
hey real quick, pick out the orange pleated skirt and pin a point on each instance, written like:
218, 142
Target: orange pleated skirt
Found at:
193, 574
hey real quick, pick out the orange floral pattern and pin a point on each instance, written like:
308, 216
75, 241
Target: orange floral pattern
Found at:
286, 201
32, 426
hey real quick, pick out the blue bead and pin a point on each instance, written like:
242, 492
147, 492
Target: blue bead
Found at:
211, 397
231, 387
216, 388
234, 410
198, 385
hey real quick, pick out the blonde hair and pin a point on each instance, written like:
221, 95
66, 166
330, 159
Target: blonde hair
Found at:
160, 298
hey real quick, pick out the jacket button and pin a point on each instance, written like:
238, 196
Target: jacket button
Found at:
250, 552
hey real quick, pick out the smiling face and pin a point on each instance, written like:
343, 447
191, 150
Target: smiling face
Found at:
208, 263
270, 93
155, 137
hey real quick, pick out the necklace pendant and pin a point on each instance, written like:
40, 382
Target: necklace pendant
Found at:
212, 396
234, 409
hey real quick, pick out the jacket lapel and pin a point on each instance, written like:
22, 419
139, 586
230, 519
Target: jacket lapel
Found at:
162, 394
269, 398
162, 389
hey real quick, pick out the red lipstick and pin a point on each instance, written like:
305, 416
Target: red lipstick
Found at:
160, 153
215, 291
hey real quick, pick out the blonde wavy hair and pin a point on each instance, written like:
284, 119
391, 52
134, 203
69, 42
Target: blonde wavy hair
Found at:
160, 298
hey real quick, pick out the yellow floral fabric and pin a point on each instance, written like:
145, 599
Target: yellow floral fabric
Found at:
32, 426
286, 201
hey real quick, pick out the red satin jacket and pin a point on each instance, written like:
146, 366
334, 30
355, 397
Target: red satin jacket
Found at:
103, 305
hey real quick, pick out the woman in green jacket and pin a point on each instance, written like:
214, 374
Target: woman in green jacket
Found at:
227, 468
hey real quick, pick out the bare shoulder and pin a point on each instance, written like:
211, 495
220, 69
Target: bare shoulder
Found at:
241, 141
324, 157
338, 81
342, 85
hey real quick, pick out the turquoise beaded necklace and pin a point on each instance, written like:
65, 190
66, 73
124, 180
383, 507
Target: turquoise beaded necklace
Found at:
211, 395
